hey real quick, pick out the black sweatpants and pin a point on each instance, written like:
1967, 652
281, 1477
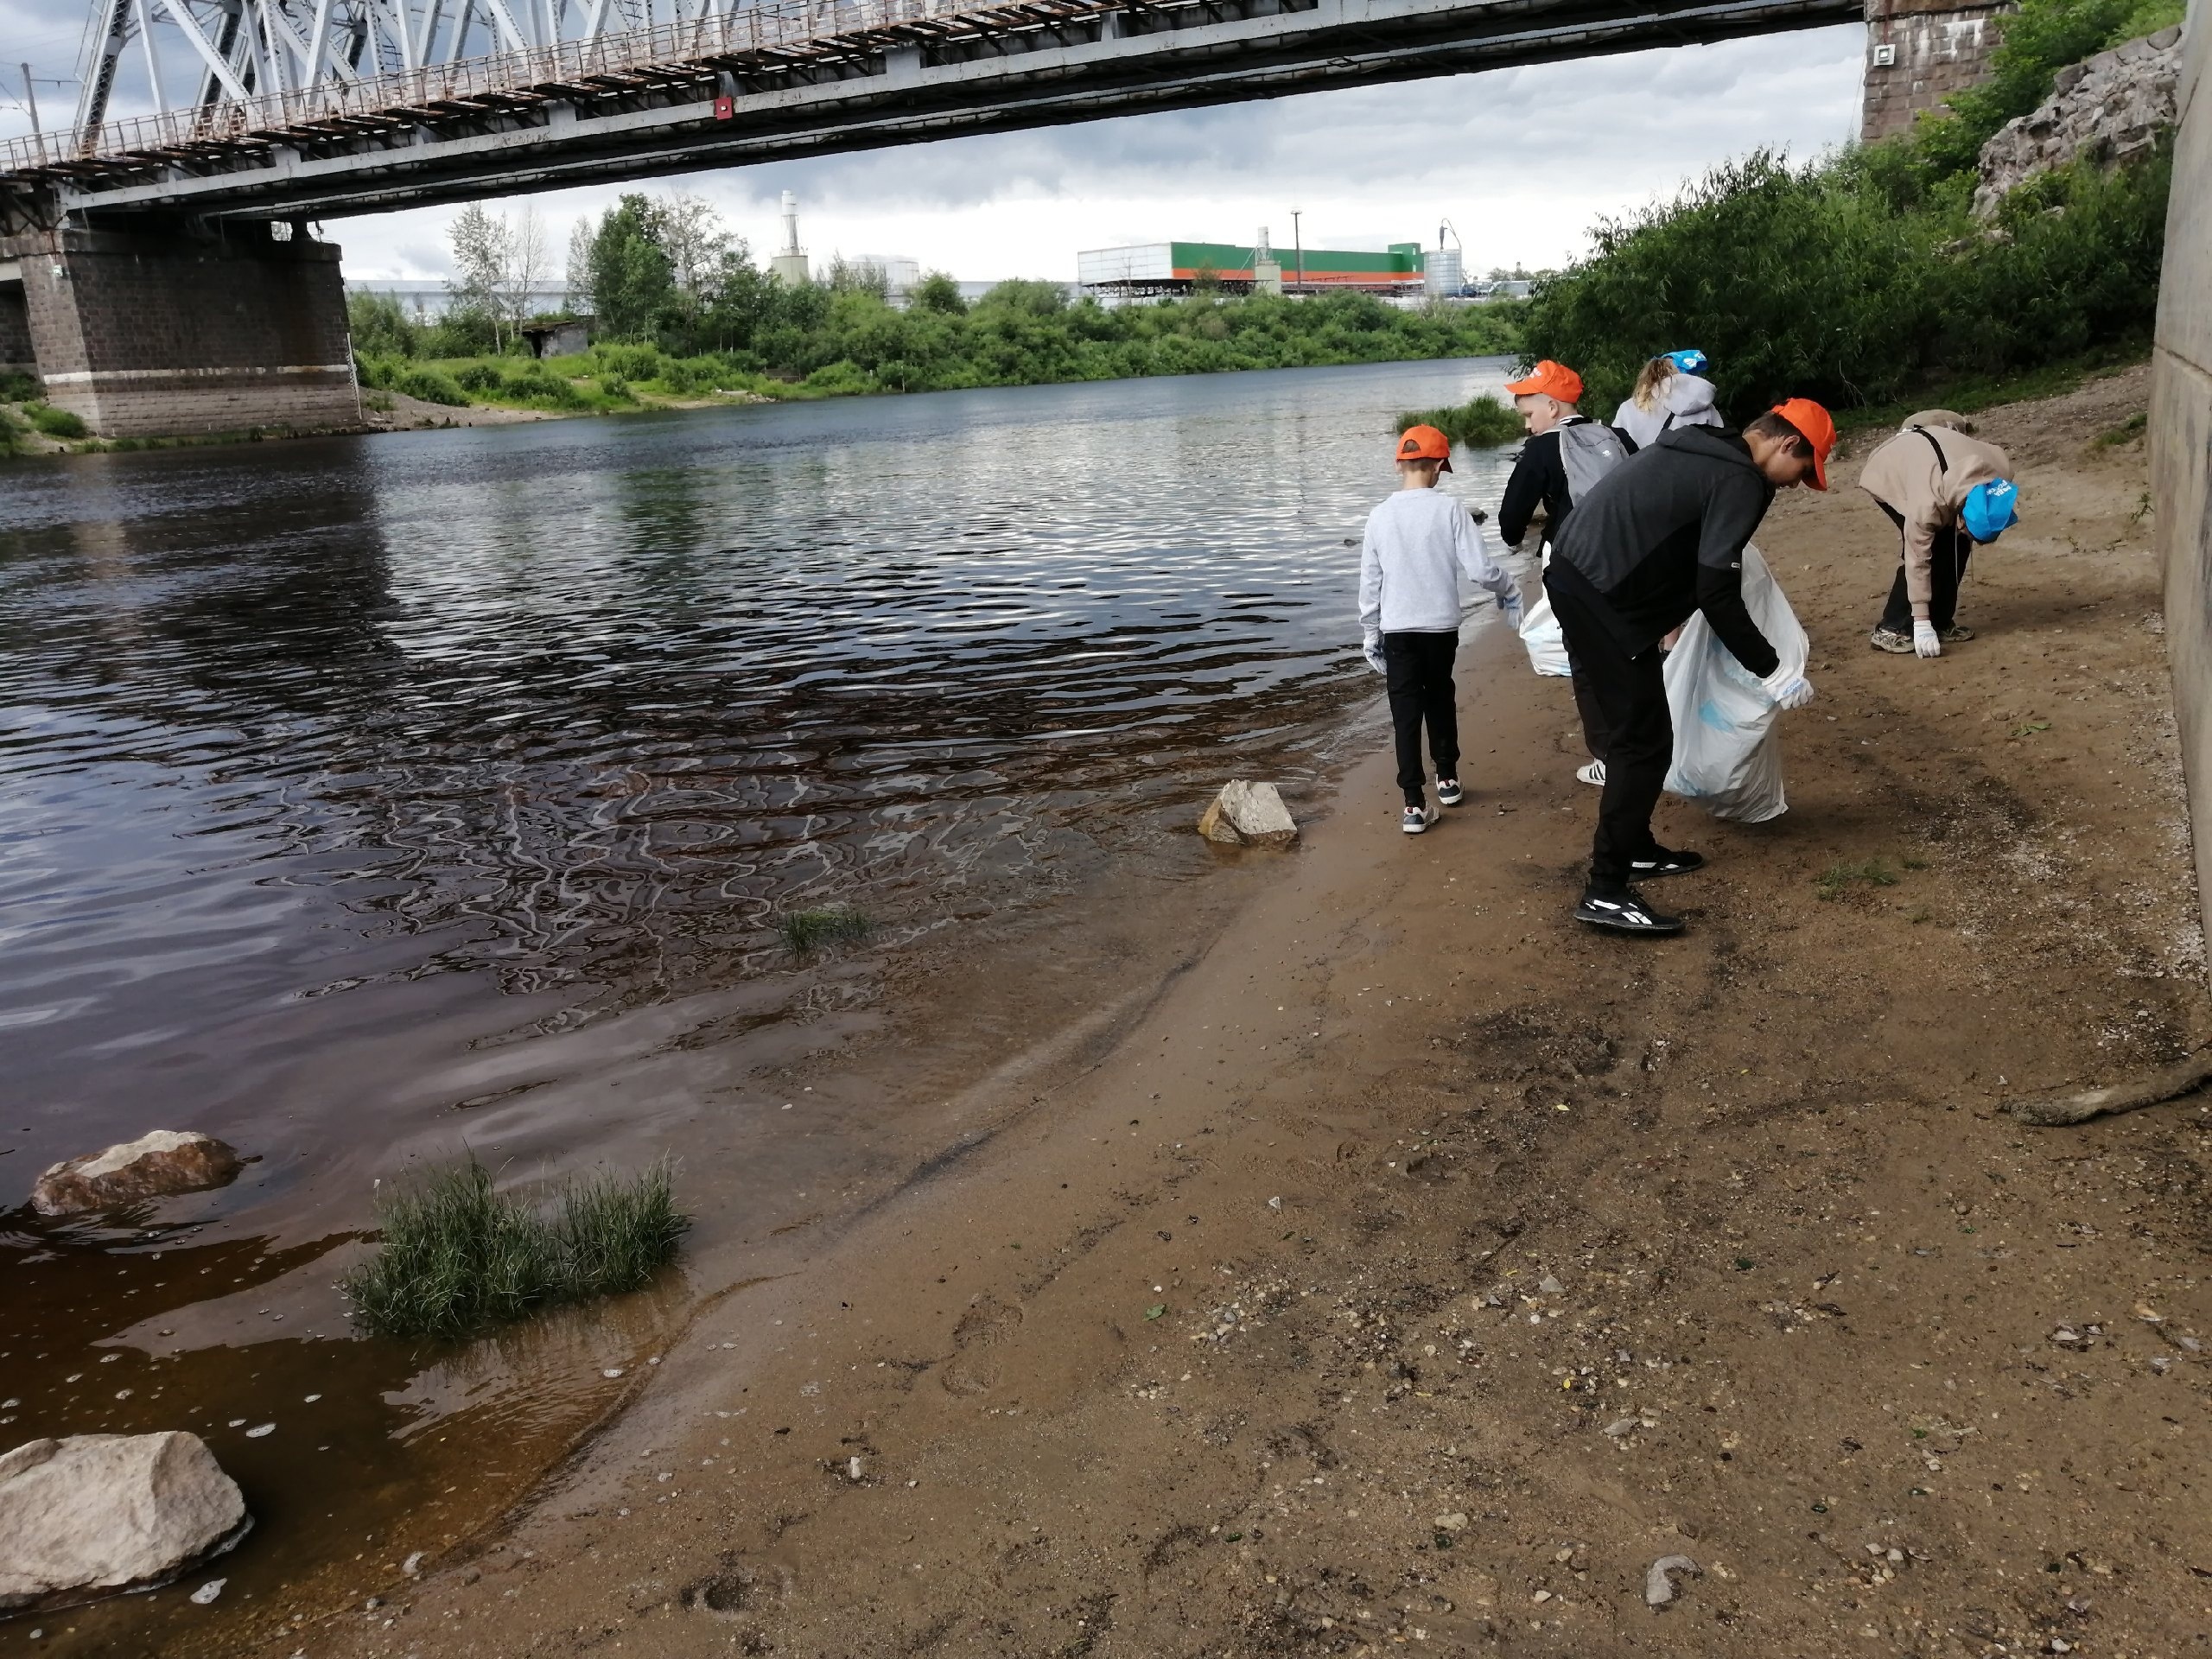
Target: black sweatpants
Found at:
1596, 735
1629, 693
1947, 568
1420, 680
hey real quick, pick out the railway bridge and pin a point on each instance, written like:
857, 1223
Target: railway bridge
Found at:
158, 268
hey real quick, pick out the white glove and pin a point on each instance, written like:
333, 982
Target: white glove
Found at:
1788, 689
1925, 640
1509, 603
1370, 646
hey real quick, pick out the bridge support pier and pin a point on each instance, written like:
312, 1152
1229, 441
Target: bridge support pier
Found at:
2181, 436
15, 356
158, 331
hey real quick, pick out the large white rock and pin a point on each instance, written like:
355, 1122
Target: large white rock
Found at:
2108, 108
96, 1514
1249, 815
153, 1166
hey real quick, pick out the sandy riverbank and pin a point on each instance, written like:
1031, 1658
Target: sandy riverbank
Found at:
1290, 1310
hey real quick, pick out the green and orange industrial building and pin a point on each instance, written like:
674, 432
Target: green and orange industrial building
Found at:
1163, 269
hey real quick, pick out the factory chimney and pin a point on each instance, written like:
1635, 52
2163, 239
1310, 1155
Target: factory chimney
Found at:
790, 266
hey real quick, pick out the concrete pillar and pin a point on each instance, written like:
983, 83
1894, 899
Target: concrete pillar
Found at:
1918, 53
2181, 435
157, 332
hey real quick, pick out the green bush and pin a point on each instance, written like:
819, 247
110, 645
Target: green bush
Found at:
455, 1257
1863, 278
1811, 281
56, 422
431, 385
631, 362
1481, 423
12, 433
17, 387
381, 326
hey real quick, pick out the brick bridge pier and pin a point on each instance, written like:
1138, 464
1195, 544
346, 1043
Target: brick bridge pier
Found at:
154, 327
1918, 53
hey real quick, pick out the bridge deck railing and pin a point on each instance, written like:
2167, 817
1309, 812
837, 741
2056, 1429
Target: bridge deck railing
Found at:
599, 67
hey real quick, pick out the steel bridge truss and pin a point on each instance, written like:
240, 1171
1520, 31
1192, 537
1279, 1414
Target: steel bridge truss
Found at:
302, 109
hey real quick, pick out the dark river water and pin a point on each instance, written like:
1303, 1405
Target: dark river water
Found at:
345, 785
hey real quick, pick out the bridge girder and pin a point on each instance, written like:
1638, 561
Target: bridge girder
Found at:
868, 74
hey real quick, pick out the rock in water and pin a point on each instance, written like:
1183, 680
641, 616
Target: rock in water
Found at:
96, 1514
153, 1166
1249, 815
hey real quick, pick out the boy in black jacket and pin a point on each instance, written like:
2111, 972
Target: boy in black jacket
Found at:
1658, 538
1567, 454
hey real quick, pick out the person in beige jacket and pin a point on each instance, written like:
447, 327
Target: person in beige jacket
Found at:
1945, 490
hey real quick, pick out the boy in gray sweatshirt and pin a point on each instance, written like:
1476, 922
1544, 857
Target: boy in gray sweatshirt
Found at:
1418, 544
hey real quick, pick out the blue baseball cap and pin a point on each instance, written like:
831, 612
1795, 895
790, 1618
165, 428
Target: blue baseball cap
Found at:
1990, 509
1690, 362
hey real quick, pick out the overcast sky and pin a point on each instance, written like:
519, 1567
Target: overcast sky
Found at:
1521, 161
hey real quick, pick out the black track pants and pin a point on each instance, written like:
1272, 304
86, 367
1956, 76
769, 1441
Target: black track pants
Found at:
1419, 678
1630, 695
1596, 735
1947, 569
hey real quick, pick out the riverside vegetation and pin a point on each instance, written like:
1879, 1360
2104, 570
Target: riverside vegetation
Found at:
677, 323
458, 1257
1863, 278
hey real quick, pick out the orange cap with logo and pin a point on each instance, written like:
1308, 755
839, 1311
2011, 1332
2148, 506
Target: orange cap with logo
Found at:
1553, 379
1425, 443
1818, 429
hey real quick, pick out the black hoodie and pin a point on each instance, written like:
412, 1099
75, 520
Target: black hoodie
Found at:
1663, 535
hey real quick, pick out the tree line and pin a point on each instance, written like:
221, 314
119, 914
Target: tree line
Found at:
679, 306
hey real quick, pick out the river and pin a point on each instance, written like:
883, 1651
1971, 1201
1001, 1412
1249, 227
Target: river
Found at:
363, 798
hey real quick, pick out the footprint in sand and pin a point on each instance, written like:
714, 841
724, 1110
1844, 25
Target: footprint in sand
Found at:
986, 1323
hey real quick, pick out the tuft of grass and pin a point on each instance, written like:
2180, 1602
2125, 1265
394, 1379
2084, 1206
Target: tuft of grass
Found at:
1481, 423
1840, 879
458, 1257
56, 422
2126, 432
807, 930
616, 1234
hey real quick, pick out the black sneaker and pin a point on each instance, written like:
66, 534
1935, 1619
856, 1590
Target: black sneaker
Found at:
1662, 862
1623, 913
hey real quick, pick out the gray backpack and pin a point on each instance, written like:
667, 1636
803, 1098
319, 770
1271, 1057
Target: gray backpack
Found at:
1588, 450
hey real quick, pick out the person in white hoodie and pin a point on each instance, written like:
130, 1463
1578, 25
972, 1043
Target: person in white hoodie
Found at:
1670, 391
1419, 543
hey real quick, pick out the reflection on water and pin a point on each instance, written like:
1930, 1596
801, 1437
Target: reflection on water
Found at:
584, 703
325, 765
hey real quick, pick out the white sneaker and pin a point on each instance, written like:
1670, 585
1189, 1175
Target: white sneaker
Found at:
1415, 821
1593, 773
1449, 792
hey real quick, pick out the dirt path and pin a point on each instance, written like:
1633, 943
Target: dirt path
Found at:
1419, 1268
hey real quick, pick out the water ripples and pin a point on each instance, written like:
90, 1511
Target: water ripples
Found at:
584, 704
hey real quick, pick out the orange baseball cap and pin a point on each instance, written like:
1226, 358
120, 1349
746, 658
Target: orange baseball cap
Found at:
1553, 379
1819, 430
1425, 443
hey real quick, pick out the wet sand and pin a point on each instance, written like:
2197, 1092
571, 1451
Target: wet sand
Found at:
1364, 1255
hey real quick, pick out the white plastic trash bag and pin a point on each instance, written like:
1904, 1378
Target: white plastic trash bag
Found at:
1541, 632
1727, 753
